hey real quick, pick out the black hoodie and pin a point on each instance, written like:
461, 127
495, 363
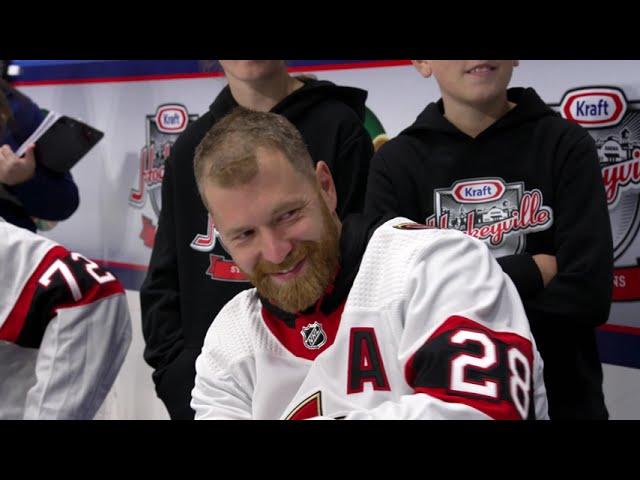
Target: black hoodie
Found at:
186, 286
528, 184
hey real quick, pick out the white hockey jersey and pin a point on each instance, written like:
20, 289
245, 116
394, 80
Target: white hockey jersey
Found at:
431, 328
65, 329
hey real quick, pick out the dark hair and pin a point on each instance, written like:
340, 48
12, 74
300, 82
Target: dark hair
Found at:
6, 114
4, 69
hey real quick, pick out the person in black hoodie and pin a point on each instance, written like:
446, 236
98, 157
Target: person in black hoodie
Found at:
191, 276
498, 164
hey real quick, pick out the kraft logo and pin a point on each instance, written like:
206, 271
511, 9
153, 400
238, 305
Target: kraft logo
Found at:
594, 107
171, 118
478, 191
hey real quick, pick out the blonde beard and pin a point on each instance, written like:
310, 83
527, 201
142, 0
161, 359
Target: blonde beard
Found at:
303, 291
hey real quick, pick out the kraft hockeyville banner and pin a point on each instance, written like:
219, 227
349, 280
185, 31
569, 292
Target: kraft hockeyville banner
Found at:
143, 105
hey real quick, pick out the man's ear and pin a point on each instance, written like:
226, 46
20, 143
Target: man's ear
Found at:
326, 185
423, 66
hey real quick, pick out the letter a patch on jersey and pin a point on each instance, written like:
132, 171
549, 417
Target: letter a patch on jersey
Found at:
365, 362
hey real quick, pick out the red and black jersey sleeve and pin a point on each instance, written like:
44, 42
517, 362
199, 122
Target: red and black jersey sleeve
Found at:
61, 280
468, 363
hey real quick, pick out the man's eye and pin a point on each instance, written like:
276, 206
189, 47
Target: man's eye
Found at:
290, 214
243, 235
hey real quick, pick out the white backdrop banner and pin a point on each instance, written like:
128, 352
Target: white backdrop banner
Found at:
143, 105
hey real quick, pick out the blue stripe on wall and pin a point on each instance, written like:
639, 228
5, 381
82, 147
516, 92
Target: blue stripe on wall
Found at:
50, 70
60, 70
131, 279
617, 348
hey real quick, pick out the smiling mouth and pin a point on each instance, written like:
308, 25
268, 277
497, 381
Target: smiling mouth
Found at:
482, 69
290, 272
286, 271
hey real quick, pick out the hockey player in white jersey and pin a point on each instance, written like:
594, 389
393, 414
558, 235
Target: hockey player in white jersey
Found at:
368, 319
65, 329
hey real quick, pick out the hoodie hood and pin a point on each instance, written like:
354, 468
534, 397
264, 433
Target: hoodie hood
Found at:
529, 106
302, 100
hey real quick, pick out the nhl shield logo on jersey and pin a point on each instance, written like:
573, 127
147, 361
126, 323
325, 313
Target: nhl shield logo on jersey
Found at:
614, 123
313, 336
162, 129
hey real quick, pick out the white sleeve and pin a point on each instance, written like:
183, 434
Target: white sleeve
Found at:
69, 318
220, 396
418, 407
464, 342
82, 350
225, 368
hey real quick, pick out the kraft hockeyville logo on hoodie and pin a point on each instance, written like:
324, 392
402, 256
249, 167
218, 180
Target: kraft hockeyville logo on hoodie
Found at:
491, 210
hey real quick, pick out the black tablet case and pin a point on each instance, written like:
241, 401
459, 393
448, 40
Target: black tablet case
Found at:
65, 143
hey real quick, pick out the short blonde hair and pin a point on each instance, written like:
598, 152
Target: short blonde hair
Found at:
226, 155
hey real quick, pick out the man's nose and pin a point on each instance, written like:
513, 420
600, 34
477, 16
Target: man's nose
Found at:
275, 247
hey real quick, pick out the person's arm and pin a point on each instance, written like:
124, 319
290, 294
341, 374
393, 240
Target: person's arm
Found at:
466, 347
351, 170
221, 396
525, 272
46, 194
76, 314
547, 265
160, 306
225, 368
581, 291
